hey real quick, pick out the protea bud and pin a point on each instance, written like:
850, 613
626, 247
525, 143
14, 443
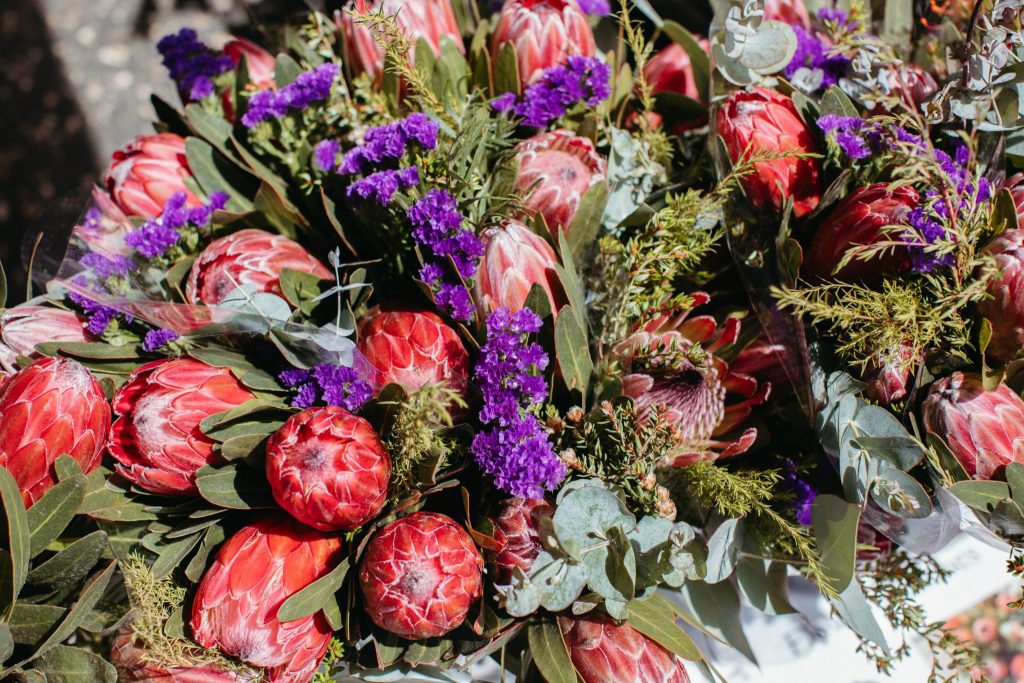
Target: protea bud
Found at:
670, 70
412, 349
877, 545
135, 664
328, 469
156, 440
429, 20
859, 220
887, 375
544, 33
517, 530
789, 11
1015, 184
248, 257
555, 171
1005, 307
762, 121
515, 259
258, 62
420, 576
914, 84
53, 407
143, 176
602, 652
26, 325
983, 429
236, 605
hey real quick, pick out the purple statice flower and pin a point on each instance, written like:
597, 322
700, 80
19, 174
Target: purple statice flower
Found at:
311, 86
326, 384
580, 80
803, 493
325, 154
98, 315
154, 237
837, 16
157, 339
191, 64
93, 218
382, 185
108, 266
852, 134
598, 8
514, 447
390, 142
825, 67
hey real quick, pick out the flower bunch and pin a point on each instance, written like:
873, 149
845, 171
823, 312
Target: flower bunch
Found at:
307, 88
191, 64
177, 223
326, 384
581, 80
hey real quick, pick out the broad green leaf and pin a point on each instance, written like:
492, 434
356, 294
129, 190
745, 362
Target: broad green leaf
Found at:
855, 611
765, 585
71, 564
506, 70
1015, 478
52, 513
315, 596
212, 538
981, 495
835, 528
656, 619
570, 280
572, 351
16, 539
87, 599
279, 212
835, 101
300, 288
245, 371
771, 48
587, 221
236, 486
6, 642
92, 350
898, 24
173, 554
30, 623
1004, 213
286, 70
715, 609
723, 547
207, 125
243, 446
550, 653
900, 494
215, 173
64, 664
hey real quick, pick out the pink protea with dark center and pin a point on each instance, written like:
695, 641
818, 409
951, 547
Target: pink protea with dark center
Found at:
420, 576
156, 440
603, 652
143, 176
515, 259
517, 530
983, 429
1005, 307
236, 604
544, 32
555, 170
693, 395
247, 257
328, 469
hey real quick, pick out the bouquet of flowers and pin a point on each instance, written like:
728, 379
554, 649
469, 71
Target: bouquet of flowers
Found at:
530, 338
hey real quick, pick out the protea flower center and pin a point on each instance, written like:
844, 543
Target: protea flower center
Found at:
693, 396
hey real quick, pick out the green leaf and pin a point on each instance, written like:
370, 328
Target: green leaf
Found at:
64, 664
835, 101
1015, 478
550, 653
765, 585
16, 539
980, 495
300, 289
30, 623
247, 373
315, 596
215, 173
656, 619
6, 642
770, 49
855, 611
52, 513
898, 24
236, 486
585, 224
70, 565
87, 600
286, 70
570, 280
715, 609
1004, 213
173, 553
835, 528
572, 351
280, 213
214, 129
92, 350
243, 447
900, 494
723, 548
506, 70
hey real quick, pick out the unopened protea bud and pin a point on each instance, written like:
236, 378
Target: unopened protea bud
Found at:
420, 575
517, 530
136, 664
762, 121
328, 469
25, 326
859, 220
1005, 307
887, 375
602, 652
258, 62
983, 429
143, 176
247, 257
53, 407
515, 259
544, 33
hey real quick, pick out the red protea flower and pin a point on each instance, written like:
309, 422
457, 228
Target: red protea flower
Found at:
135, 664
602, 652
887, 375
1015, 184
515, 259
766, 361
555, 170
328, 469
261, 566
156, 440
258, 62
420, 575
1005, 307
430, 20
670, 70
789, 11
143, 176
859, 220
761, 121
693, 395
517, 530
983, 429
412, 349
248, 257
26, 325
53, 407
544, 32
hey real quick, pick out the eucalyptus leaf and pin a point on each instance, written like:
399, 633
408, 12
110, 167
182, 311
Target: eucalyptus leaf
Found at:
770, 49
550, 652
723, 548
16, 539
835, 527
572, 351
980, 495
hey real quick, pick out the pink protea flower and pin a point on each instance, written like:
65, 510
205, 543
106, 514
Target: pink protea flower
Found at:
1005, 307
156, 440
515, 259
693, 395
429, 20
760, 121
328, 469
247, 257
420, 575
136, 665
670, 70
53, 407
143, 176
258, 62
555, 171
517, 531
602, 652
887, 375
1015, 184
544, 32
788, 11
27, 325
412, 349
236, 605
983, 429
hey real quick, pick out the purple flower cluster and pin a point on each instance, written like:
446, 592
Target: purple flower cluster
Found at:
157, 339
390, 142
99, 316
837, 16
581, 79
381, 186
825, 67
311, 86
191, 63
451, 252
598, 8
108, 266
326, 384
154, 237
514, 449
855, 137
325, 155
